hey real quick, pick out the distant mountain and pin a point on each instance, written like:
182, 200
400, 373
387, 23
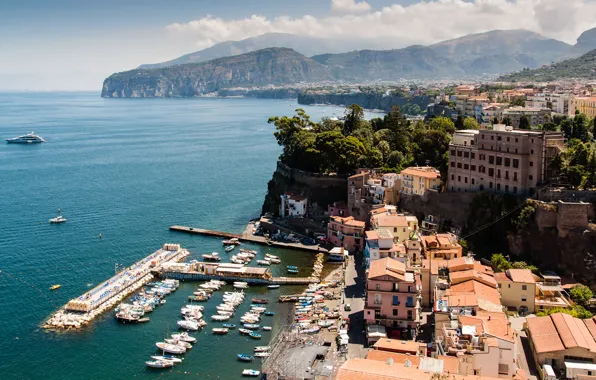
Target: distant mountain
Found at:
277, 66
583, 67
587, 40
304, 45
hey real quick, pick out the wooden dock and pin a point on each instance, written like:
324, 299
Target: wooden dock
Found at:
247, 236
199, 276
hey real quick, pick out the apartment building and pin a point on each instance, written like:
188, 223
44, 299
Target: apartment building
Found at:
558, 103
441, 246
367, 190
550, 293
293, 205
399, 225
585, 105
392, 297
346, 232
536, 116
518, 290
503, 160
419, 179
492, 111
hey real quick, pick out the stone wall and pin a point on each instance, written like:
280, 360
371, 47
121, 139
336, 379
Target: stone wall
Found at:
550, 194
444, 207
572, 215
311, 179
546, 215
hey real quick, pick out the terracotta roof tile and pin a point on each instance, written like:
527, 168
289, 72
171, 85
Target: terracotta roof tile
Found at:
387, 267
521, 275
430, 173
396, 345
573, 332
591, 326
544, 335
458, 277
485, 293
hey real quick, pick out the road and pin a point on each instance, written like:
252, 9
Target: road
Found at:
355, 279
524, 353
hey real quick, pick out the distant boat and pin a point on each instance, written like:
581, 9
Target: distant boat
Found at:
170, 348
54, 287
29, 138
269, 313
220, 331
273, 286
294, 271
250, 372
254, 335
185, 337
262, 354
160, 363
245, 357
263, 262
229, 325
260, 300
291, 267
170, 358
240, 285
244, 331
267, 328
58, 219
229, 248
262, 348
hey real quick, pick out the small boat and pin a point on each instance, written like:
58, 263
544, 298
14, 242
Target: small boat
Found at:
29, 138
201, 298
267, 328
292, 271
269, 313
262, 354
273, 286
232, 241
184, 337
254, 335
229, 326
169, 358
58, 219
263, 262
244, 331
229, 248
178, 343
220, 331
250, 372
208, 257
143, 320
245, 357
171, 348
159, 363
291, 267
240, 285
188, 325
262, 348
260, 300
251, 326
275, 261
270, 256
54, 287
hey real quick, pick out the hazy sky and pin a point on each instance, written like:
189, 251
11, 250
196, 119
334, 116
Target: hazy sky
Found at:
75, 44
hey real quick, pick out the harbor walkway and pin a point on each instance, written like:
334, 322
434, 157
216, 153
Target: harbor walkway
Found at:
248, 236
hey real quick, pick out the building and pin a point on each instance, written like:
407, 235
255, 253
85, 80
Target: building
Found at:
379, 244
536, 116
400, 226
346, 232
441, 246
368, 190
550, 293
474, 106
391, 186
585, 105
492, 111
501, 160
558, 103
463, 89
560, 340
357, 205
419, 180
518, 290
392, 297
338, 209
293, 205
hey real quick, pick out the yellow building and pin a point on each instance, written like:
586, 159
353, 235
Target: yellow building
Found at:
586, 106
518, 289
418, 180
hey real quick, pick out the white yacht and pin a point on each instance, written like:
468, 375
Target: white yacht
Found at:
29, 138
58, 219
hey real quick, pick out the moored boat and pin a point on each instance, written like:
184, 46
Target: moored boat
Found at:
218, 317
240, 285
274, 286
251, 326
262, 348
267, 328
179, 343
263, 262
170, 348
229, 326
254, 335
245, 357
185, 337
260, 300
250, 372
269, 313
262, 354
220, 331
169, 358
159, 363
244, 331
188, 325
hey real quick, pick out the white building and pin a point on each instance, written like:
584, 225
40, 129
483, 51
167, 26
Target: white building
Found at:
293, 205
558, 103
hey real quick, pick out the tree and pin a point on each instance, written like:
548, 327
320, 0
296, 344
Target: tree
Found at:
576, 311
459, 123
567, 128
518, 102
495, 120
549, 126
524, 122
431, 145
353, 116
442, 123
580, 127
397, 124
471, 123
499, 263
581, 294
506, 121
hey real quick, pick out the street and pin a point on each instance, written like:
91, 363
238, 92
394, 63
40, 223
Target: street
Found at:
355, 279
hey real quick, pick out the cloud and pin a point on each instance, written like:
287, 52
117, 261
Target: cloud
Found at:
424, 22
349, 6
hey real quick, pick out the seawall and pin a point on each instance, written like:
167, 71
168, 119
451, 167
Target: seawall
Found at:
368, 101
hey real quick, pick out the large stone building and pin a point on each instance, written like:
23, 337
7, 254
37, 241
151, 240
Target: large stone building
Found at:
518, 290
503, 160
535, 116
420, 179
586, 106
346, 232
558, 103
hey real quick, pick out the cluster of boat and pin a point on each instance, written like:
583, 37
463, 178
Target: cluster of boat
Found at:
178, 344
230, 244
318, 265
244, 257
292, 269
225, 310
145, 302
260, 352
311, 314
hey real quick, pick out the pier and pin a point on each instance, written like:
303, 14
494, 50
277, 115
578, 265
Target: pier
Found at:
247, 236
83, 309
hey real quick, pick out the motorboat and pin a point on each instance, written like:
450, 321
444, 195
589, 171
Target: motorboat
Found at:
240, 285
258, 309
260, 300
267, 328
262, 348
245, 357
29, 138
270, 256
54, 287
218, 317
229, 326
291, 267
275, 286
185, 337
225, 312
199, 298
269, 313
244, 331
188, 325
251, 326
229, 248
262, 354
263, 262
220, 331
169, 358
254, 335
58, 219
159, 363
250, 372
179, 343
171, 348
232, 241
275, 261
294, 271
210, 257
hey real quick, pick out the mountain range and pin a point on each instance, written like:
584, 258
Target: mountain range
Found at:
583, 67
226, 64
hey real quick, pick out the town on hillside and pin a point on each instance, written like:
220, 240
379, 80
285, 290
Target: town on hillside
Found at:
423, 294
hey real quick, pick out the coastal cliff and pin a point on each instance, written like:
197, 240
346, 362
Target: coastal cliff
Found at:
273, 66
365, 100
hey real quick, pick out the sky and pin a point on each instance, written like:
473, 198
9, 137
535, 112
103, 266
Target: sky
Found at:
75, 44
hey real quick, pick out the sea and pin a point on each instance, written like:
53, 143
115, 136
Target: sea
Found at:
127, 169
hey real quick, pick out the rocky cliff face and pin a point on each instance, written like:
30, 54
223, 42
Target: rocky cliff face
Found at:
273, 66
368, 101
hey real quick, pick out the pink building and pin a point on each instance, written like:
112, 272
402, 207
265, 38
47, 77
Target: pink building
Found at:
346, 232
338, 209
393, 297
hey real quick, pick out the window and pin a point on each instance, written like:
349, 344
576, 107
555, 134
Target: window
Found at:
473, 155
395, 300
507, 139
472, 181
452, 177
532, 141
377, 299
516, 139
466, 154
459, 153
498, 173
515, 162
531, 163
453, 152
492, 137
466, 166
531, 151
377, 287
498, 138
506, 174
507, 161
531, 177
473, 168
491, 172
395, 312
491, 160
514, 189
524, 287
498, 186
499, 161
466, 179
394, 229
410, 302
490, 185
452, 164
458, 178
515, 176
459, 165
410, 314
506, 188
509, 286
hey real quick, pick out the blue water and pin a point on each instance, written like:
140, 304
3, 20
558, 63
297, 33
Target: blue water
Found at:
128, 169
